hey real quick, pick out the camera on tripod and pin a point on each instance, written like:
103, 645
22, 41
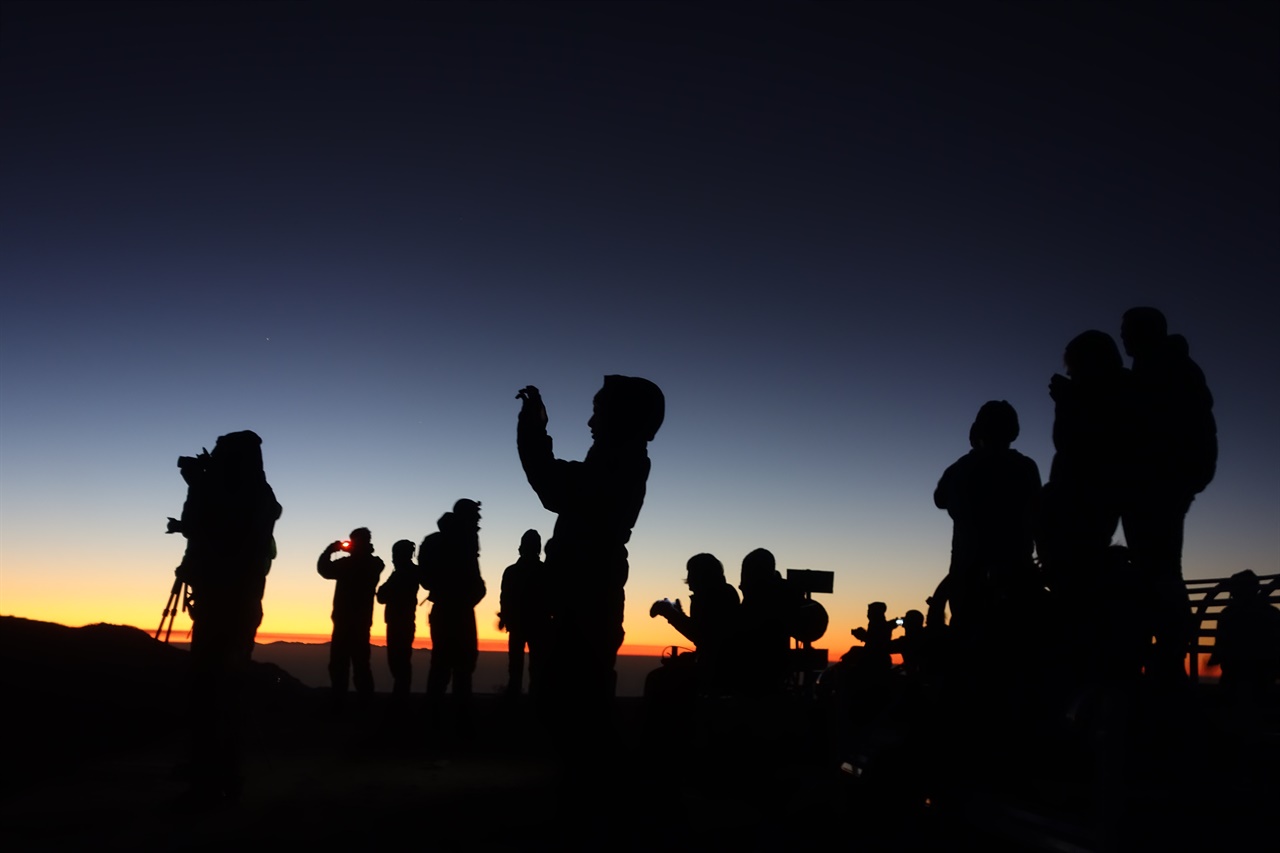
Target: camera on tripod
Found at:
808, 623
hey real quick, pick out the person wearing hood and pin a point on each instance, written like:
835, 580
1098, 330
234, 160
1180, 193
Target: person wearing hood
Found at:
597, 502
228, 520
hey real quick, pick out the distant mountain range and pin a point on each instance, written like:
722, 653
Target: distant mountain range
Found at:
309, 663
126, 668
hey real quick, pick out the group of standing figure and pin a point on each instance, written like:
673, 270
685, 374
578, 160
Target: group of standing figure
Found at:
573, 628
1133, 447
448, 567
568, 611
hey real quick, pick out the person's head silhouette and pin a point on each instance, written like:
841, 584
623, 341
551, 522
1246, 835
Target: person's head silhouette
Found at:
1092, 354
402, 551
1143, 330
627, 408
466, 514
995, 427
361, 541
238, 457
704, 572
1243, 585
530, 543
759, 570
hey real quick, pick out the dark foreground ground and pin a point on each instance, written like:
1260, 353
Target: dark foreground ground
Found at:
95, 735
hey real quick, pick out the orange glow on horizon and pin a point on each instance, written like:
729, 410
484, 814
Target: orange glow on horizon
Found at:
181, 633
424, 642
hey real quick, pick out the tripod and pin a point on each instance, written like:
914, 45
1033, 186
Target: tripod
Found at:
177, 595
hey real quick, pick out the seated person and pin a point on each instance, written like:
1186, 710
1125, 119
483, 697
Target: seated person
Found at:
876, 637
913, 645
1248, 641
709, 625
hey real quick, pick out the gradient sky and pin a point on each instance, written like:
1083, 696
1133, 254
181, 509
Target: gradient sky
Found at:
829, 232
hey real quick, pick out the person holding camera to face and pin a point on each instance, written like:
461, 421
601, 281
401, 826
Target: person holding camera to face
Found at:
228, 520
356, 574
596, 501
710, 625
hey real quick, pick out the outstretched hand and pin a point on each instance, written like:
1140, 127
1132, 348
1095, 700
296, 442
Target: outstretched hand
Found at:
533, 405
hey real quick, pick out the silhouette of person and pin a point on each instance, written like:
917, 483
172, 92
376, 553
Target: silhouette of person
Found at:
1247, 646
449, 563
1082, 501
228, 520
597, 502
710, 625
522, 611
914, 645
864, 676
764, 625
1091, 438
992, 495
399, 594
874, 655
1174, 458
356, 575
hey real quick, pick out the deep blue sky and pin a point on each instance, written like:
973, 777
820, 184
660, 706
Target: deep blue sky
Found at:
828, 231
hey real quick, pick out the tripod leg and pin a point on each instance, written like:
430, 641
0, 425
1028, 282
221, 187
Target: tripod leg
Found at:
173, 612
170, 609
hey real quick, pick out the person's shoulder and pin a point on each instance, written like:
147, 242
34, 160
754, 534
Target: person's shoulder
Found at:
1017, 457
958, 466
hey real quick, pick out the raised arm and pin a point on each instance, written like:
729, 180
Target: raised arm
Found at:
324, 565
550, 478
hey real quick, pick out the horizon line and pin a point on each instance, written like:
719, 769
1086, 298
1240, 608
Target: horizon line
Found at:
486, 645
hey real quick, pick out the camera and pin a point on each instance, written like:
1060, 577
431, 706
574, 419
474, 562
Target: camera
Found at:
809, 581
194, 463
193, 468
665, 605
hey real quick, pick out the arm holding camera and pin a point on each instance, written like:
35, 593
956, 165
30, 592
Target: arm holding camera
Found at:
554, 481
328, 568
673, 612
